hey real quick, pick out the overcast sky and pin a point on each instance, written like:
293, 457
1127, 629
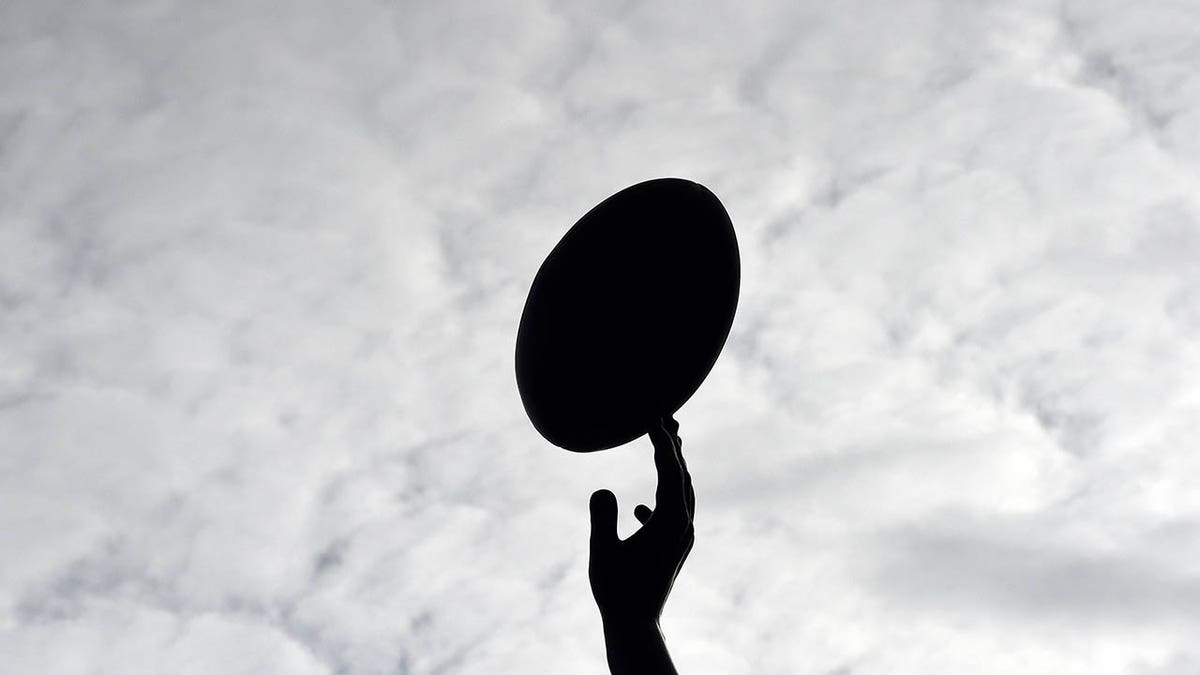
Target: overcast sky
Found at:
262, 264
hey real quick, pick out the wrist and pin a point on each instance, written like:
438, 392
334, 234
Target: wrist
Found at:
636, 648
631, 629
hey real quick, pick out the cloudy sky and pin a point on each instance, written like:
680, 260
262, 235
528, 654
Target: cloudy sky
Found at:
261, 268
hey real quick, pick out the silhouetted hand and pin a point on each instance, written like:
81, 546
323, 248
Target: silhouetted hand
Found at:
631, 579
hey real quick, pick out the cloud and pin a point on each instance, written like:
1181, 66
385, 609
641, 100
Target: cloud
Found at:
263, 265
1041, 576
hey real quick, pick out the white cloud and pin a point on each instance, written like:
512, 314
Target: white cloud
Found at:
262, 265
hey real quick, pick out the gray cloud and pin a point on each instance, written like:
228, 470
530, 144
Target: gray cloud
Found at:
262, 266
990, 567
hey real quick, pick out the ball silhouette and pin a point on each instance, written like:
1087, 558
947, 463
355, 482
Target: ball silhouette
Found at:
628, 314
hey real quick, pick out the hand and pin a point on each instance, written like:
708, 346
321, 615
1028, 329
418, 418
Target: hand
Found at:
631, 579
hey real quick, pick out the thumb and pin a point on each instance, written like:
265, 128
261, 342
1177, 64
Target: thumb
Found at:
604, 520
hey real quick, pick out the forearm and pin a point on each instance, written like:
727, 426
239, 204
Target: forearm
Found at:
636, 649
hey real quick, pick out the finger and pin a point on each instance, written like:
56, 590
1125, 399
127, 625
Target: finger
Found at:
689, 493
669, 498
671, 425
604, 521
642, 513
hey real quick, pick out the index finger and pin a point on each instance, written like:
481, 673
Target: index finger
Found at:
670, 498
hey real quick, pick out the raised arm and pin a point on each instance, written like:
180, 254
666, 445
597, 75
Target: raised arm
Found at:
631, 579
